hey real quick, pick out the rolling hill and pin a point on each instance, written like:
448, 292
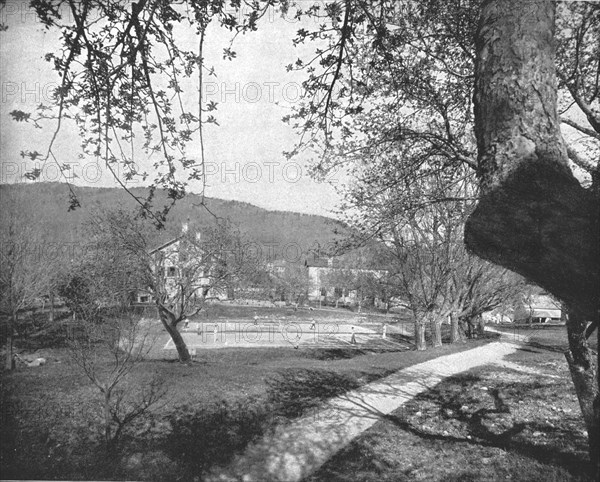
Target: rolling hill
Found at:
45, 206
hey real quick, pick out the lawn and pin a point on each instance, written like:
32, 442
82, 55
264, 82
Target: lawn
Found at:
520, 421
213, 408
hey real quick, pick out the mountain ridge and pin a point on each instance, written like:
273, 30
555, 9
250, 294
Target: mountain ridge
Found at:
46, 205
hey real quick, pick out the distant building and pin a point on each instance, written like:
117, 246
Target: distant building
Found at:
320, 268
538, 308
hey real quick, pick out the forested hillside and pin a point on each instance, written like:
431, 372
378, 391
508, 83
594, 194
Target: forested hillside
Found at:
45, 205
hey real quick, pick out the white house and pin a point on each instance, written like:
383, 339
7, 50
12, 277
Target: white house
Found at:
178, 257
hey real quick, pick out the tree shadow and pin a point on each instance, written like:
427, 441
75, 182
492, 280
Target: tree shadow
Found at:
485, 427
296, 449
333, 353
293, 391
478, 424
556, 348
310, 415
409, 341
206, 438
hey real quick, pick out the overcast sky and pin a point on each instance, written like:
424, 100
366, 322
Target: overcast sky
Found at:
243, 154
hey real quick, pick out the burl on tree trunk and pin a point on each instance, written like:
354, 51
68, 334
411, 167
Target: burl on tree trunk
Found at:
533, 216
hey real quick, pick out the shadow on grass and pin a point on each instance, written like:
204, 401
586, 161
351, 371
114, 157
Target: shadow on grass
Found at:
467, 415
557, 348
491, 427
409, 341
206, 437
202, 437
334, 353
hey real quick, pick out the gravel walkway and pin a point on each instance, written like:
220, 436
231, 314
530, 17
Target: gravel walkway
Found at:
296, 450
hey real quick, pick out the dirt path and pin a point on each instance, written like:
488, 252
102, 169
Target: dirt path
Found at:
296, 450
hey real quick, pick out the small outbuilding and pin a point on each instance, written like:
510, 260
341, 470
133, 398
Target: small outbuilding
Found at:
541, 308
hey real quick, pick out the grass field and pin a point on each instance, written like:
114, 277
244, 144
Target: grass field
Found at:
227, 397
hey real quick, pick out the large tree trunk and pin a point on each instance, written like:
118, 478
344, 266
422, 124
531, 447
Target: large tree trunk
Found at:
420, 335
455, 336
52, 313
170, 324
9, 362
480, 325
533, 216
584, 372
107, 420
436, 331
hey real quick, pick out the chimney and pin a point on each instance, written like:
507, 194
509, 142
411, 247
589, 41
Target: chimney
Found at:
185, 226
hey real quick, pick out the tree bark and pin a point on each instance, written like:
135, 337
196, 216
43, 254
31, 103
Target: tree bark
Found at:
107, 420
584, 373
52, 314
9, 362
436, 331
170, 325
420, 335
455, 336
533, 216
480, 325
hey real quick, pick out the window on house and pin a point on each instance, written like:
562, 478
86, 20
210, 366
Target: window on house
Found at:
346, 293
323, 292
144, 299
338, 292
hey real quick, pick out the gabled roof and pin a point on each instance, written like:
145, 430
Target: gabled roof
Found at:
165, 245
175, 240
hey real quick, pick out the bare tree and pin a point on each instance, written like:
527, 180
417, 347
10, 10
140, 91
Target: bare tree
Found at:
26, 274
178, 276
107, 349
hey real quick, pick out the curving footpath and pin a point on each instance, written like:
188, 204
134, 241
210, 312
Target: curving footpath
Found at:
294, 451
